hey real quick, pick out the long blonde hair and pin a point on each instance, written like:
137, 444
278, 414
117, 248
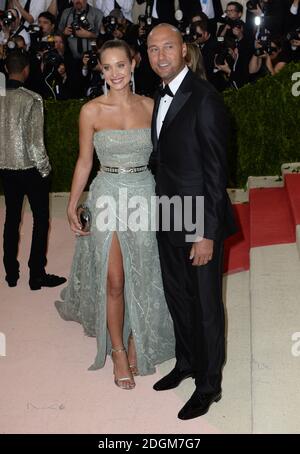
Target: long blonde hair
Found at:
194, 60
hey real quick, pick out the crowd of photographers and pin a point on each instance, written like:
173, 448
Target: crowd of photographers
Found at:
239, 45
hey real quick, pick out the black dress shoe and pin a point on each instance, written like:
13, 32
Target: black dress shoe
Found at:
47, 280
12, 280
198, 405
172, 380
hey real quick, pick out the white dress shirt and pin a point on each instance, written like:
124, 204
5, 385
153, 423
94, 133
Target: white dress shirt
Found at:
208, 8
106, 6
166, 101
154, 10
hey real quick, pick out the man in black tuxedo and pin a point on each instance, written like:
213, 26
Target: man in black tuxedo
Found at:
189, 132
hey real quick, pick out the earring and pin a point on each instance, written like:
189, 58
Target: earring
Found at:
132, 83
105, 90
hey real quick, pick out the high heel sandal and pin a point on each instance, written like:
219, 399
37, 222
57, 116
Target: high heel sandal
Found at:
121, 382
133, 367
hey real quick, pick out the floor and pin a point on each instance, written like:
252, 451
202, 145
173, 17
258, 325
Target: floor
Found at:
46, 387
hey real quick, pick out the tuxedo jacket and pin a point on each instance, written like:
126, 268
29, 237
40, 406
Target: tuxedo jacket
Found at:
190, 159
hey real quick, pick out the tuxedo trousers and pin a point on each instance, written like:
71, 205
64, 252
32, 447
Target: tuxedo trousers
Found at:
17, 184
194, 298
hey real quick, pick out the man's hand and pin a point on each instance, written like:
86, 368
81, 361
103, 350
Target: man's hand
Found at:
68, 31
82, 33
202, 252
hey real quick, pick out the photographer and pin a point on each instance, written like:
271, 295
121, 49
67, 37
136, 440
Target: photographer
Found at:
92, 81
80, 24
116, 26
266, 59
106, 6
29, 9
234, 12
60, 72
10, 26
291, 48
232, 65
271, 12
208, 46
42, 41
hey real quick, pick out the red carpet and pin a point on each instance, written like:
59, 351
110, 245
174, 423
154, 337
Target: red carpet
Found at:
236, 251
271, 220
292, 184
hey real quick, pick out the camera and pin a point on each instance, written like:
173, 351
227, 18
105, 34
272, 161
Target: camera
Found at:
34, 29
110, 24
145, 24
295, 34
189, 35
8, 18
81, 21
266, 43
231, 22
180, 23
223, 54
52, 60
93, 56
253, 4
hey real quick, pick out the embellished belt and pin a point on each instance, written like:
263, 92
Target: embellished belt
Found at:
123, 169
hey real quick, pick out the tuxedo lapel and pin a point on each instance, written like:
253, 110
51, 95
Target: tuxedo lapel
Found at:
182, 95
154, 122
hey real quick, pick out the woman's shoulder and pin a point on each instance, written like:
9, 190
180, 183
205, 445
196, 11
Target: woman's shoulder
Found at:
93, 106
146, 100
147, 103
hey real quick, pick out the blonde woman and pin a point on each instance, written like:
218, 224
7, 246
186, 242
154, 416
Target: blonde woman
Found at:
194, 60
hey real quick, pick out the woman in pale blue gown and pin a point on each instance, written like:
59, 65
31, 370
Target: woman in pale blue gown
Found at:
115, 288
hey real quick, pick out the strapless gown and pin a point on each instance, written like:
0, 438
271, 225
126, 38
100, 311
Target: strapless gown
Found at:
84, 299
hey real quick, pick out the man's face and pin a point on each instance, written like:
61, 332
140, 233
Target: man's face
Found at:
80, 5
166, 52
232, 13
201, 35
46, 26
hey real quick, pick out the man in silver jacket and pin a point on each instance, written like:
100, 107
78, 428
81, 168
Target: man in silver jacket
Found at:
24, 170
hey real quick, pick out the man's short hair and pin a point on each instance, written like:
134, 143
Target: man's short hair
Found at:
238, 7
48, 16
203, 24
16, 61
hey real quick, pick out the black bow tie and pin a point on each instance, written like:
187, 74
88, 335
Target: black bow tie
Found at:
165, 91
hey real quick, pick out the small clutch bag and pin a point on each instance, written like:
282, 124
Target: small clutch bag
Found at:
85, 217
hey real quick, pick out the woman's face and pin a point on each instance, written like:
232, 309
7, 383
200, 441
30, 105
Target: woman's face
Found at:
116, 68
276, 51
59, 44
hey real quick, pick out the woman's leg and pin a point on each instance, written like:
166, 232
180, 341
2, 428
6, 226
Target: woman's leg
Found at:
115, 315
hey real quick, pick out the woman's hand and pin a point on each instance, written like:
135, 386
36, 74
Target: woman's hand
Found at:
75, 224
